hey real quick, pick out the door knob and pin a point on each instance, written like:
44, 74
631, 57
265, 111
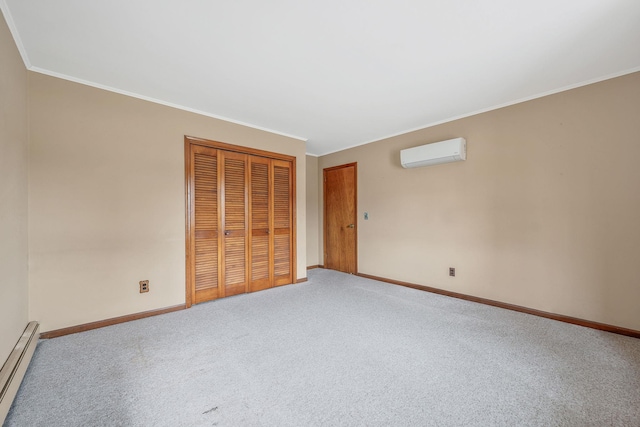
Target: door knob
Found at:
227, 232
350, 226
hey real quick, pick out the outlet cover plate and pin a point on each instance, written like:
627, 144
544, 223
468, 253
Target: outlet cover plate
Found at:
144, 286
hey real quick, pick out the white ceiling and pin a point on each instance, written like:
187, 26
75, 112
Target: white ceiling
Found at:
337, 73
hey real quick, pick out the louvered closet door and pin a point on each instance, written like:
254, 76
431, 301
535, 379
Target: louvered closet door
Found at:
240, 226
282, 222
205, 220
260, 249
234, 223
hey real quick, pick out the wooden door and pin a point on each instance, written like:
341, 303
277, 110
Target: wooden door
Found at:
260, 248
234, 223
240, 220
205, 222
340, 218
282, 223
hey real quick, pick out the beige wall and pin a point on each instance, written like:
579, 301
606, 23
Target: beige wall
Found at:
313, 227
13, 193
543, 214
107, 200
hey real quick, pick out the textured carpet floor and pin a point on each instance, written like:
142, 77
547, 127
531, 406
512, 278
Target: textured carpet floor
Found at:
338, 350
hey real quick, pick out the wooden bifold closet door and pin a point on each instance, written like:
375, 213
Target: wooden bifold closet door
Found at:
240, 211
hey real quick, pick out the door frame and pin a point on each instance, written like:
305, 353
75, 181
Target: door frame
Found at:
324, 208
190, 213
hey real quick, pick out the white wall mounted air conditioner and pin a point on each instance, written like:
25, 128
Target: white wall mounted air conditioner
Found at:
451, 150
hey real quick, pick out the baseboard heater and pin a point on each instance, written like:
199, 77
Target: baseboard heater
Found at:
15, 367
